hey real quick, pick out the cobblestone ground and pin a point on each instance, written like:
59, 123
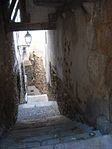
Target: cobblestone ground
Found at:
37, 108
40, 124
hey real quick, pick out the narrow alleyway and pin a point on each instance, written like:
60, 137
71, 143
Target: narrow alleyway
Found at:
40, 124
73, 66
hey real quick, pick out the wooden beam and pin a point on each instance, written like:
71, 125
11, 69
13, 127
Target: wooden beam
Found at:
23, 11
59, 3
49, 3
15, 26
89, 0
11, 9
16, 11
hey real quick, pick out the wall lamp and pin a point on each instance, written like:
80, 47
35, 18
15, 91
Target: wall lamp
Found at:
28, 40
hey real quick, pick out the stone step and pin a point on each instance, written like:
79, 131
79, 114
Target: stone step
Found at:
38, 110
101, 142
38, 104
30, 140
50, 135
39, 126
49, 121
37, 98
32, 90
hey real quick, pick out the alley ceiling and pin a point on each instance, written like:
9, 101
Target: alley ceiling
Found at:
39, 14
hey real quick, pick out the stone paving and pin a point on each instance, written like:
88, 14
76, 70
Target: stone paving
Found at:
40, 126
37, 108
102, 142
32, 90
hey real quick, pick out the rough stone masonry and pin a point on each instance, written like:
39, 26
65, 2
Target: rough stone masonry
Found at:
80, 51
8, 78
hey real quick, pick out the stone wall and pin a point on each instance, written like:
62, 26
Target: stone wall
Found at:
80, 51
36, 74
8, 78
30, 76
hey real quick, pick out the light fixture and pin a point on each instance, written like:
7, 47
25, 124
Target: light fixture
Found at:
28, 38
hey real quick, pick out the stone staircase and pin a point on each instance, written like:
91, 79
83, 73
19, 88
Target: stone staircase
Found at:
40, 126
101, 142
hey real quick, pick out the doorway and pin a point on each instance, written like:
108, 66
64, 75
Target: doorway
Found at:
34, 89
32, 63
